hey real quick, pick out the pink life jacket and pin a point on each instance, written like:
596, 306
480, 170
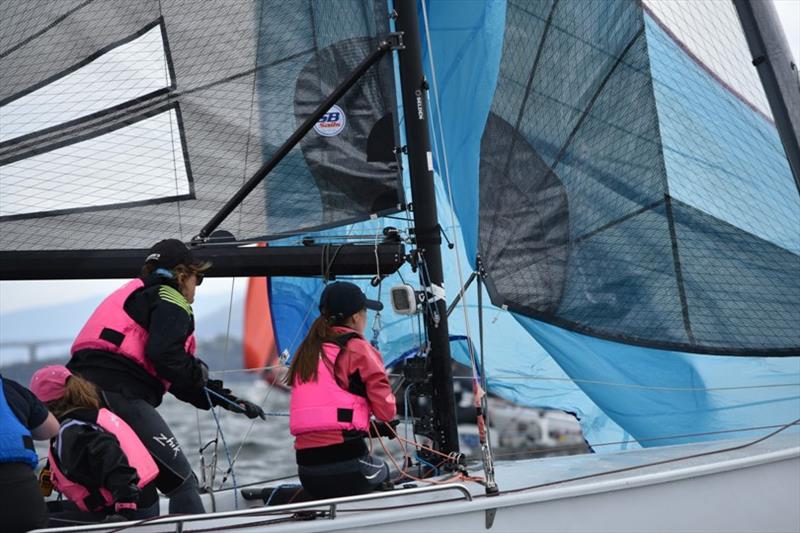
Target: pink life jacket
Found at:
136, 453
111, 329
323, 405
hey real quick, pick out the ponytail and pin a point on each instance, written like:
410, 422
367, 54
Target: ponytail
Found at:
78, 394
304, 363
306, 360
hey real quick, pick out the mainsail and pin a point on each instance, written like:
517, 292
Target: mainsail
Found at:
126, 121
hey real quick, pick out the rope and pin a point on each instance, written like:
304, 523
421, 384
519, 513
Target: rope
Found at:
446, 458
627, 385
646, 439
245, 370
656, 463
246, 436
405, 473
651, 387
224, 445
239, 408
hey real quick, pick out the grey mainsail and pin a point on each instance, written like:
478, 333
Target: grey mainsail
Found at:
126, 121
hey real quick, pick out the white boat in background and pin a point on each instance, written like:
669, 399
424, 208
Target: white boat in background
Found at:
619, 179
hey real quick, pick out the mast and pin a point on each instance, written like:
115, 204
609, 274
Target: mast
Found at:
779, 74
426, 223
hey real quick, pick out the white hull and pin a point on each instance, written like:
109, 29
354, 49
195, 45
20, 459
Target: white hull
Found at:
745, 489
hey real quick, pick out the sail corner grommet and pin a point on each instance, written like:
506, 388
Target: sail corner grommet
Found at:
394, 40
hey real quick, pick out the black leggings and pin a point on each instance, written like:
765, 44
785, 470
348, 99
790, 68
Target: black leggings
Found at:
22, 506
344, 478
175, 477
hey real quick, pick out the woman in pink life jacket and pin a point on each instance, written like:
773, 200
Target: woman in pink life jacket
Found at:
96, 460
138, 345
338, 383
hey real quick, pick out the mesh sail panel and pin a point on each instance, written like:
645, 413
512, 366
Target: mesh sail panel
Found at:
632, 184
125, 122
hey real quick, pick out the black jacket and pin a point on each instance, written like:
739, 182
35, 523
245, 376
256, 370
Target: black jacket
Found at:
168, 325
93, 457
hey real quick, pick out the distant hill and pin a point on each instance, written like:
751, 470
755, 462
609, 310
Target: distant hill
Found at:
63, 321
219, 354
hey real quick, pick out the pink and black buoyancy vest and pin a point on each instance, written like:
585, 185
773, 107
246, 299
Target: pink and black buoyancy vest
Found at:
323, 405
136, 453
111, 329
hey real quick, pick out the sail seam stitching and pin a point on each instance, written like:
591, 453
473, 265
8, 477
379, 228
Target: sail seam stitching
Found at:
617, 221
80, 64
149, 111
596, 95
44, 30
583, 329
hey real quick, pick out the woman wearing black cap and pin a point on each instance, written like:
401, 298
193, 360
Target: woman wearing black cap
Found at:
138, 344
338, 382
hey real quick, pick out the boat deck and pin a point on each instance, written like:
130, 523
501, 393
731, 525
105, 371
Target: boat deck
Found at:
729, 483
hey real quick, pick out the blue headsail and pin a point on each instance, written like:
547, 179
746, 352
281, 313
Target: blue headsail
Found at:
632, 206
633, 210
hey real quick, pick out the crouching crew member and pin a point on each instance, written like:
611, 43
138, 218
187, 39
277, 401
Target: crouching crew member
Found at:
338, 382
96, 460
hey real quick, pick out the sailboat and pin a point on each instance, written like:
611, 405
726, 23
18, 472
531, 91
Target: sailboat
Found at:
616, 175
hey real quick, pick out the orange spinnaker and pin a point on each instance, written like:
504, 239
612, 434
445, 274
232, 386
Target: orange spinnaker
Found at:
259, 345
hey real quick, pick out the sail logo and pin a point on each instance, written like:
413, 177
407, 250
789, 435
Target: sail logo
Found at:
331, 123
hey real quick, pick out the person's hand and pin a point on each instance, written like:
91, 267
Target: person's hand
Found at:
128, 495
216, 385
251, 410
379, 428
218, 394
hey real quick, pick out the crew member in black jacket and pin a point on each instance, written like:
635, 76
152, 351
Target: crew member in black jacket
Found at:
138, 344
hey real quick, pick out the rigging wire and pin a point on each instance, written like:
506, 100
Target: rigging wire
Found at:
227, 451
250, 136
533, 377
656, 463
556, 449
243, 441
481, 404
446, 167
167, 83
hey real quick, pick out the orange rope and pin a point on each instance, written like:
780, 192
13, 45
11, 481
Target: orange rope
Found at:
457, 477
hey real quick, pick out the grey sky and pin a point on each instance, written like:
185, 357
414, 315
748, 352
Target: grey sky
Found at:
789, 13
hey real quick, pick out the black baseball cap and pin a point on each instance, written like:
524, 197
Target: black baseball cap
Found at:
341, 299
170, 253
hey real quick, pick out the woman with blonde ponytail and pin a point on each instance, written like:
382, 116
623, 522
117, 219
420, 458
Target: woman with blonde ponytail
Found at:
338, 384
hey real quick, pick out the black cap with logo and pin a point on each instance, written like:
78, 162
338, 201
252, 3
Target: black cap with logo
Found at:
170, 253
342, 299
